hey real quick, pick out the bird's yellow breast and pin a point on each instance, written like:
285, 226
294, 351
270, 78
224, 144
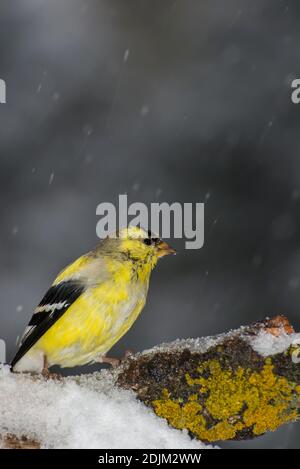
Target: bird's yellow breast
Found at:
97, 319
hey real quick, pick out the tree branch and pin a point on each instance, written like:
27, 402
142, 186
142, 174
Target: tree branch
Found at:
222, 388
233, 386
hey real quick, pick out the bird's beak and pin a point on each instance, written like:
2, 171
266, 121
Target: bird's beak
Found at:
163, 249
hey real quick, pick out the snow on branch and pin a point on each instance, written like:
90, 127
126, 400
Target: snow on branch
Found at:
234, 386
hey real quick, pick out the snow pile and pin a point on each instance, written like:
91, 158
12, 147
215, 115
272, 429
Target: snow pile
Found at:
82, 412
267, 344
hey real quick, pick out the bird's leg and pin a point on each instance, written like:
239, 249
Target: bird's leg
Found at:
46, 372
115, 362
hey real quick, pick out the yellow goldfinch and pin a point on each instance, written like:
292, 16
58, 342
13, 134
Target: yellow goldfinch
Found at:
92, 303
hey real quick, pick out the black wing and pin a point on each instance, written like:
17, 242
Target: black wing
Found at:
53, 305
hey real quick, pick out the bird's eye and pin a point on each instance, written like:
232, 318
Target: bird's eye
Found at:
147, 241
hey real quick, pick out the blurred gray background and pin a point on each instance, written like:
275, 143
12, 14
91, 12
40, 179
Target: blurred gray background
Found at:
183, 100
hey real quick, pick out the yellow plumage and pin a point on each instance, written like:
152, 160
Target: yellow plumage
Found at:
113, 283
100, 313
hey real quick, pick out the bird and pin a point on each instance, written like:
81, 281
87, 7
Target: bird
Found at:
91, 304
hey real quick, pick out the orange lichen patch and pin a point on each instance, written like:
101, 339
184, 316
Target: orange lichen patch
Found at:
279, 324
231, 401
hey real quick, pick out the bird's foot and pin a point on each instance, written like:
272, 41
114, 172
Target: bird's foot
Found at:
48, 375
115, 362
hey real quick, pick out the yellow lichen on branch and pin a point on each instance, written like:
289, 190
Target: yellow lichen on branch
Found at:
267, 400
228, 391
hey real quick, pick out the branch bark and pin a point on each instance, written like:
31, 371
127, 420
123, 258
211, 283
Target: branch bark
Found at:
226, 387
226, 391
